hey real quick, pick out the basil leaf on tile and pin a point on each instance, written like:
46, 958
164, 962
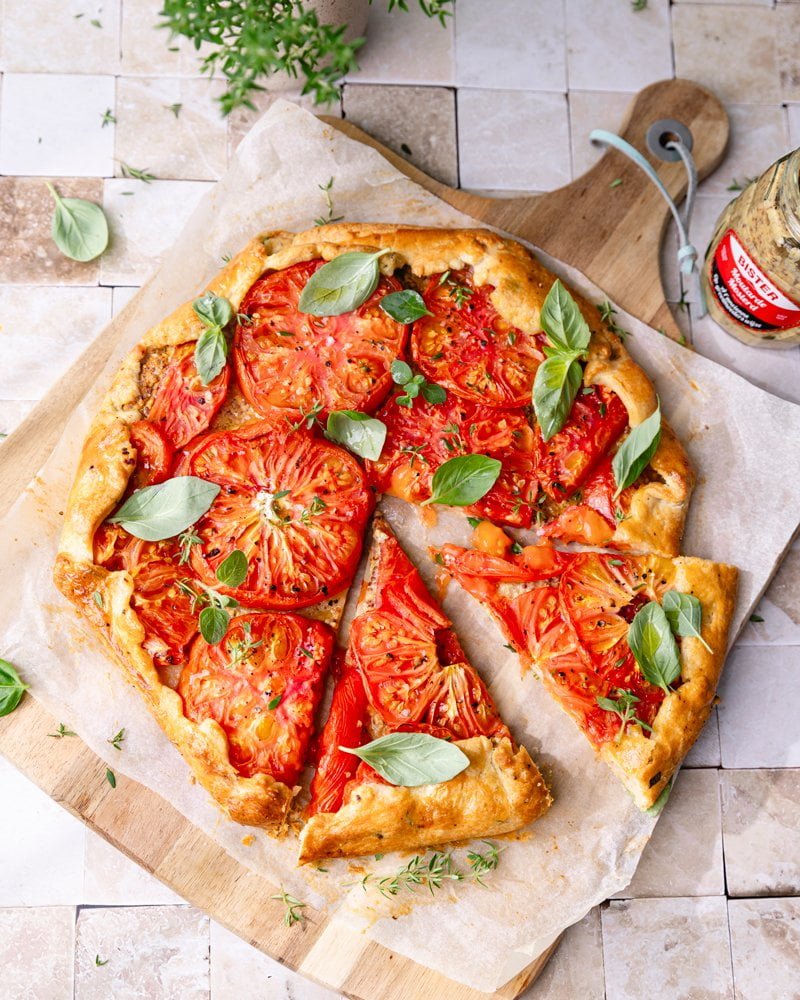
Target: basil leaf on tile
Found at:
214, 624
684, 614
636, 450
358, 432
232, 571
405, 306
555, 387
166, 509
80, 229
412, 759
341, 285
12, 688
463, 480
654, 647
563, 322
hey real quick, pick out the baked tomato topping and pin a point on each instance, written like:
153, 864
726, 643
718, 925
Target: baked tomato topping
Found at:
466, 346
154, 454
286, 358
294, 504
164, 609
262, 684
182, 407
422, 438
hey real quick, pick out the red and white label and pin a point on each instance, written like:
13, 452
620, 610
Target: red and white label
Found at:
746, 293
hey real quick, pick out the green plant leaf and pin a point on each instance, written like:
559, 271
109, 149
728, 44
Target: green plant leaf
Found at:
656, 808
684, 614
341, 285
166, 509
210, 353
214, 624
555, 387
232, 571
412, 759
80, 229
433, 393
636, 451
653, 645
213, 310
563, 322
12, 688
358, 432
401, 372
463, 480
405, 306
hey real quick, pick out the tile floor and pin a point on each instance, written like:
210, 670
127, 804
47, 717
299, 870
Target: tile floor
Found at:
502, 99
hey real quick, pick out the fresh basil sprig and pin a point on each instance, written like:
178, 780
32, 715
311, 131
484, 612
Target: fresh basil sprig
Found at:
232, 571
685, 615
405, 306
463, 480
636, 451
166, 509
412, 759
654, 647
358, 432
211, 349
559, 376
414, 385
341, 285
12, 688
624, 707
80, 229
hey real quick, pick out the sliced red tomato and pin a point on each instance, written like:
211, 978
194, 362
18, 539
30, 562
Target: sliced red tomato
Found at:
463, 706
262, 684
296, 505
154, 454
399, 590
182, 406
291, 359
164, 609
596, 422
422, 438
467, 347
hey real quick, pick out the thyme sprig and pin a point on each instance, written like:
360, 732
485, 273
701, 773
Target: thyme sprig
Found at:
433, 872
294, 908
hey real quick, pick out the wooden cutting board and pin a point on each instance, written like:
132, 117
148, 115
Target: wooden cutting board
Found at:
612, 234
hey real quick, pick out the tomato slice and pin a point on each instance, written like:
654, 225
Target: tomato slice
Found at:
182, 406
237, 682
154, 454
596, 422
466, 346
296, 505
422, 438
164, 609
462, 705
291, 359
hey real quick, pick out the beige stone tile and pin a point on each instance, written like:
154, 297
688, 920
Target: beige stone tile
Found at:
576, 969
515, 45
793, 114
735, 58
144, 224
405, 47
239, 970
667, 948
147, 50
761, 831
36, 953
77, 37
779, 609
765, 946
64, 321
741, 3
28, 255
513, 139
152, 952
706, 752
391, 115
610, 46
760, 705
190, 144
787, 42
120, 297
758, 137
51, 125
45, 843
684, 855
12, 413
241, 120
111, 879
590, 109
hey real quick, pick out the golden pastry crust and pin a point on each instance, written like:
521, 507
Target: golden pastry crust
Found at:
500, 791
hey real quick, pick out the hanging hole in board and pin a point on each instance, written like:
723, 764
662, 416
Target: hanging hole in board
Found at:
664, 131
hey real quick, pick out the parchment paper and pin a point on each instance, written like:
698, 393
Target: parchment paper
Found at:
745, 443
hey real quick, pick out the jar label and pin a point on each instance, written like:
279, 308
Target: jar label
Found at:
746, 293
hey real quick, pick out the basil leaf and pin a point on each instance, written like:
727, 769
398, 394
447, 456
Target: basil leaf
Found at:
653, 644
79, 230
166, 509
210, 353
405, 306
341, 285
232, 571
562, 320
463, 480
433, 393
358, 432
661, 801
214, 624
684, 614
401, 372
555, 387
12, 688
213, 310
637, 449
412, 759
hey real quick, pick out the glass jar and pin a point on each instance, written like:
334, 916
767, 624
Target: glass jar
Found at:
751, 272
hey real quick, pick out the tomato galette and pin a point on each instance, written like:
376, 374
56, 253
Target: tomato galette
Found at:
221, 500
